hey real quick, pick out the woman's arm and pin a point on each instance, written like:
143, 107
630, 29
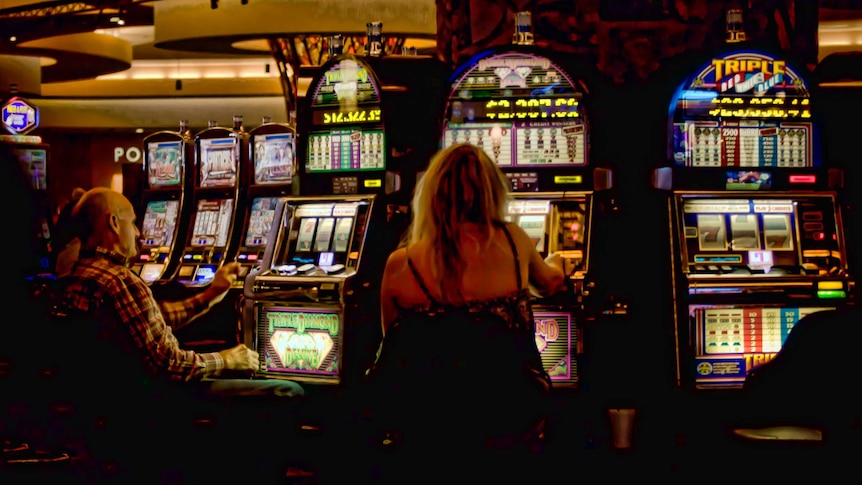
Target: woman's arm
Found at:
545, 276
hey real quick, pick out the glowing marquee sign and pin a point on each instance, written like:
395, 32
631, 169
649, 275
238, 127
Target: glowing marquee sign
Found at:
19, 116
746, 85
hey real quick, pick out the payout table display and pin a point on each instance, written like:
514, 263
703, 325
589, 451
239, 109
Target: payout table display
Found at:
522, 109
732, 341
745, 109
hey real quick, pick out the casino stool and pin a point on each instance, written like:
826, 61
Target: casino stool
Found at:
803, 406
781, 452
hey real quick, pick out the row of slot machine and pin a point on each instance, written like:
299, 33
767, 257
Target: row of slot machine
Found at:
755, 220
523, 108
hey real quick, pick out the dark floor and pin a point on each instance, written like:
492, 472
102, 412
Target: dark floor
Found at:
675, 441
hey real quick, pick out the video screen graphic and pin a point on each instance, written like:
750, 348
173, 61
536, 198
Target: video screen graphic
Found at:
160, 220
164, 164
556, 340
274, 159
218, 162
260, 221
299, 341
212, 223
34, 163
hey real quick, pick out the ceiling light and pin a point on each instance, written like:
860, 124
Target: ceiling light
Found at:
13, 39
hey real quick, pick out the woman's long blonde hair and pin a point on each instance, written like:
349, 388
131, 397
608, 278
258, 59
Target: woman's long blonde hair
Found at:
462, 185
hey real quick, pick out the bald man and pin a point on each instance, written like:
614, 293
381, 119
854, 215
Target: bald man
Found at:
101, 280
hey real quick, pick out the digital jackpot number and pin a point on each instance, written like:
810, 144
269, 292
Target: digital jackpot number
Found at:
357, 116
544, 108
761, 108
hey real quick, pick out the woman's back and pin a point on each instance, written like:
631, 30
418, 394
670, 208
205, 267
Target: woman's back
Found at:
494, 278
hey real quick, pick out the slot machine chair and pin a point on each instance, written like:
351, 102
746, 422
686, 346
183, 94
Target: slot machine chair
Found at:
102, 413
463, 400
806, 400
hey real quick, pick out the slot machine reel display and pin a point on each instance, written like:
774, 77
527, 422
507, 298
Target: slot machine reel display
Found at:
165, 203
757, 227
529, 114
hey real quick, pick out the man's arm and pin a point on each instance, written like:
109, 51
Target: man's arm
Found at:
140, 315
180, 313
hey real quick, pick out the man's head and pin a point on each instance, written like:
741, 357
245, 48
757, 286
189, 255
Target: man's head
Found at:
107, 219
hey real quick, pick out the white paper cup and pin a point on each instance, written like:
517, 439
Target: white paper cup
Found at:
622, 425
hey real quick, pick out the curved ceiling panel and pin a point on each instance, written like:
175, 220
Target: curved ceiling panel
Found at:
80, 56
191, 25
23, 72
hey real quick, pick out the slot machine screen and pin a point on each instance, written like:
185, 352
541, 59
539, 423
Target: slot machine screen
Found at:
565, 219
204, 274
150, 272
260, 221
522, 109
323, 232
164, 163
34, 163
744, 109
298, 340
160, 220
212, 223
764, 236
218, 163
748, 180
731, 341
274, 159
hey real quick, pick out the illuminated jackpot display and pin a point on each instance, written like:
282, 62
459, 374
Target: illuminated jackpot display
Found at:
521, 108
347, 128
745, 109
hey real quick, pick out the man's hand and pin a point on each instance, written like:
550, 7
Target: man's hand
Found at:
240, 358
222, 281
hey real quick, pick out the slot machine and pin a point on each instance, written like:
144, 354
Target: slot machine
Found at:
31, 156
212, 236
164, 206
531, 115
211, 239
271, 171
755, 219
313, 310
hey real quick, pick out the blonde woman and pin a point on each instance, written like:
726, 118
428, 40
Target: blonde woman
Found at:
461, 251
